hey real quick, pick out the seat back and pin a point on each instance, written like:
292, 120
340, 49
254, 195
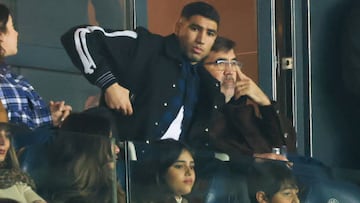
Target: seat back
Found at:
225, 186
331, 191
34, 161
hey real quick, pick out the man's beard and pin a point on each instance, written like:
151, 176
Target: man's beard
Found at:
228, 86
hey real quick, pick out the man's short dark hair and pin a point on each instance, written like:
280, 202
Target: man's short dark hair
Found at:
200, 8
223, 44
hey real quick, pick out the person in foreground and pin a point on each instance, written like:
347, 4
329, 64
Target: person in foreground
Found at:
82, 160
169, 174
23, 104
15, 185
150, 81
226, 119
271, 182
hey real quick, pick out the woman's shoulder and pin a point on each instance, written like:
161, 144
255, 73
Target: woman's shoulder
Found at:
184, 200
10, 177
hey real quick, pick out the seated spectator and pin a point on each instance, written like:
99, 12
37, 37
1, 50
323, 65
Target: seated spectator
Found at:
15, 185
22, 102
271, 182
167, 174
226, 119
82, 161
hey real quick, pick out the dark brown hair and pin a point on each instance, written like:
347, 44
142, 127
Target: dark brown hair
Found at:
200, 8
4, 18
82, 149
223, 44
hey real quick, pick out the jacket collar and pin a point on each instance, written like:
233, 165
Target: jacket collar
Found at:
172, 47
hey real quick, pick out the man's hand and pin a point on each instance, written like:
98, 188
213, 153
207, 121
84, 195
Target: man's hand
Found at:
246, 86
59, 111
117, 97
271, 156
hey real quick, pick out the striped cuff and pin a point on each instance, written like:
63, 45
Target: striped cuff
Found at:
106, 80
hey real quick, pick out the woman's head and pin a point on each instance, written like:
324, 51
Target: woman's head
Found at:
8, 158
83, 150
81, 134
8, 34
175, 165
272, 182
4, 144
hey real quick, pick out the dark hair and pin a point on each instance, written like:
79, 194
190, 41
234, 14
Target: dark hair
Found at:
81, 151
270, 177
87, 123
11, 160
223, 44
200, 8
4, 18
107, 114
166, 152
10, 167
151, 174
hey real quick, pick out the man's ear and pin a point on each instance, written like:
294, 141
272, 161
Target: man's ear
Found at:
178, 25
261, 197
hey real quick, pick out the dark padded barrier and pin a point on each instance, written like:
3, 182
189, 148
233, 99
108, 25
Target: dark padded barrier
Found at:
331, 191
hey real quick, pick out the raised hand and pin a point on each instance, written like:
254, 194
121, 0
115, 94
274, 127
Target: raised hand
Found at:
117, 97
246, 86
59, 111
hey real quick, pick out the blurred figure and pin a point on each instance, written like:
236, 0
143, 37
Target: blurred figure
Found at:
19, 98
15, 185
92, 101
271, 182
168, 175
82, 161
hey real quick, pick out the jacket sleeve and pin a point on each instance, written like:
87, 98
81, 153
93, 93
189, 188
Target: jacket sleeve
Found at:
277, 128
101, 55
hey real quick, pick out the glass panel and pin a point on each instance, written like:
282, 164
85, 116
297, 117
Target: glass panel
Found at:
162, 172
41, 23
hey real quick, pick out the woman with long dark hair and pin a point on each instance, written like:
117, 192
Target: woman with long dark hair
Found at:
167, 175
15, 185
82, 158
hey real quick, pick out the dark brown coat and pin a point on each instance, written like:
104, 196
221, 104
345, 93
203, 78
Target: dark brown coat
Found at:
234, 127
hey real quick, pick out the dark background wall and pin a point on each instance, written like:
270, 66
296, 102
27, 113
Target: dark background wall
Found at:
334, 120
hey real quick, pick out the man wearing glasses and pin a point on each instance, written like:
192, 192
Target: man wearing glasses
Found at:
226, 119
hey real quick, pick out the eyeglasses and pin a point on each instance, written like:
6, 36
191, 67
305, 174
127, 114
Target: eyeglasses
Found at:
222, 64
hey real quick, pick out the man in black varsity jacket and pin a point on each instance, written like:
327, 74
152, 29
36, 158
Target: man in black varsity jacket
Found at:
149, 81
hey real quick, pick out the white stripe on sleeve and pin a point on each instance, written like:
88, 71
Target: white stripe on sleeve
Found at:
81, 44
